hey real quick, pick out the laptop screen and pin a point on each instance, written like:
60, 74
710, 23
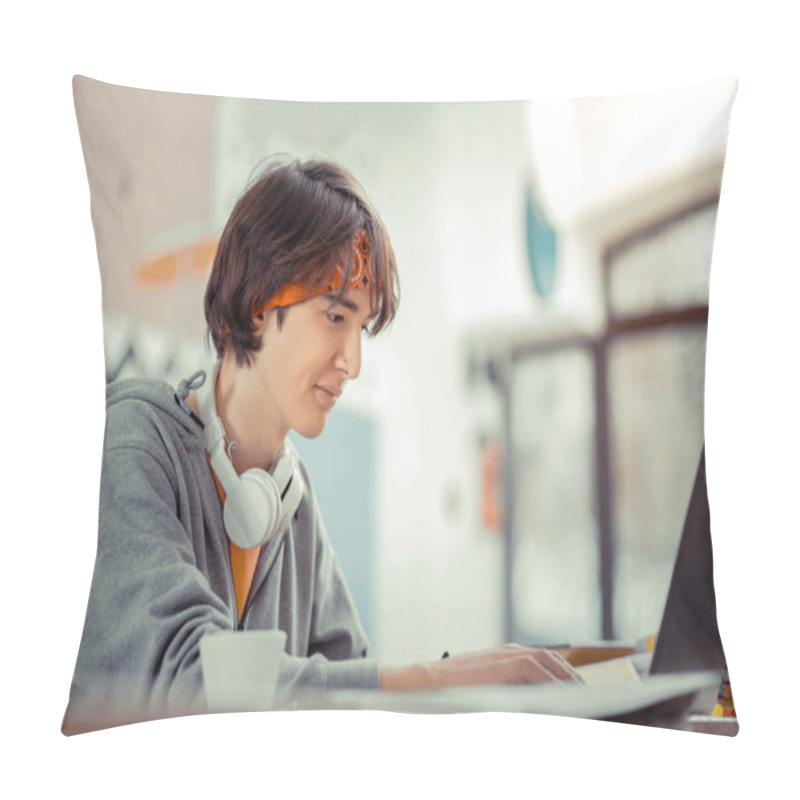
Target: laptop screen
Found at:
689, 637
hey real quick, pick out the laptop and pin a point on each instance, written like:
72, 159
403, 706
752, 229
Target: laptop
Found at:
689, 637
688, 640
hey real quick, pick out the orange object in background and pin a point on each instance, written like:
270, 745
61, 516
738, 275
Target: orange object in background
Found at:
163, 271
492, 485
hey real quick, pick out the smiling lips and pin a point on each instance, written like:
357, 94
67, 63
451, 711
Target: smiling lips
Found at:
328, 395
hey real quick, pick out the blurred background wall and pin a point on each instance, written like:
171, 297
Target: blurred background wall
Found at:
526, 433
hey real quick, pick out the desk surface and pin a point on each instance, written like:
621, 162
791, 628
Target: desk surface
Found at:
661, 701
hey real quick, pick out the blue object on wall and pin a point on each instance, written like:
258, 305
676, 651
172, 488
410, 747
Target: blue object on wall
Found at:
341, 464
540, 239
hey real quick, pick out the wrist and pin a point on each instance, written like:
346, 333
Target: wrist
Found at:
416, 676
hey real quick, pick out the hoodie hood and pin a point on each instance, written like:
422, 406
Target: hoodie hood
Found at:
169, 400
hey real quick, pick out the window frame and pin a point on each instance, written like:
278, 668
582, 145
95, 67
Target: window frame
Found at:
598, 345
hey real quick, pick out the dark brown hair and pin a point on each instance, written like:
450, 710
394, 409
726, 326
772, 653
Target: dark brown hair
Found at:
293, 225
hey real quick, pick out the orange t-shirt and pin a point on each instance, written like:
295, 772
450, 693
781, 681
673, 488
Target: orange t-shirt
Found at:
243, 567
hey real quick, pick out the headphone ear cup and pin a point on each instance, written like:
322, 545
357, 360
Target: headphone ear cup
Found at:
290, 483
292, 497
250, 514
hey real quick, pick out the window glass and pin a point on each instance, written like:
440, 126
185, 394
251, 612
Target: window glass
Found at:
555, 575
664, 269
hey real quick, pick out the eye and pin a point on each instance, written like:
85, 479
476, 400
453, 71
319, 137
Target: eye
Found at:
335, 318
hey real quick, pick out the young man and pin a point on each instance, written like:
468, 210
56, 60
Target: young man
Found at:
208, 520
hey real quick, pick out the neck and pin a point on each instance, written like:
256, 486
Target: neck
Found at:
245, 415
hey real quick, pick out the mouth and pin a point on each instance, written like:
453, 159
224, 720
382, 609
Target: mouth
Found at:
328, 395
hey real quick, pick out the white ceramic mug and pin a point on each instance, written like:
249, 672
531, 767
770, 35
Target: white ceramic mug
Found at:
240, 669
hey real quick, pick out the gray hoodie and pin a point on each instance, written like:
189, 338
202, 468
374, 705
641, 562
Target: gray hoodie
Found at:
162, 577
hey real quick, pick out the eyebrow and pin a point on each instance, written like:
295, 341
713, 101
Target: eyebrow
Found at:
348, 304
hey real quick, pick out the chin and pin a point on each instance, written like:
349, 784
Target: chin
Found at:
312, 429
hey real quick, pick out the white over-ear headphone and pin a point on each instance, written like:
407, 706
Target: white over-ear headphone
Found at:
258, 505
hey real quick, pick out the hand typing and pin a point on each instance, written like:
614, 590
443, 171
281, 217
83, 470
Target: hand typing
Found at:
509, 663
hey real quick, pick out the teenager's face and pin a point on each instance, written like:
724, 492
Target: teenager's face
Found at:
303, 366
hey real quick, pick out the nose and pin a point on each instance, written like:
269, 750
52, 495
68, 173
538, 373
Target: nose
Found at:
350, 359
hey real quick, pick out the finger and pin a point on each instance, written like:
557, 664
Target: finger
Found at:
560, 667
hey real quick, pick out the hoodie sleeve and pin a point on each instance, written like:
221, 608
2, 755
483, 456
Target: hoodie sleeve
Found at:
149, 604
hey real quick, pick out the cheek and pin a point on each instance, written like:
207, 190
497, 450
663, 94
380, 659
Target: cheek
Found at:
302, 357
310, 363
295, 372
